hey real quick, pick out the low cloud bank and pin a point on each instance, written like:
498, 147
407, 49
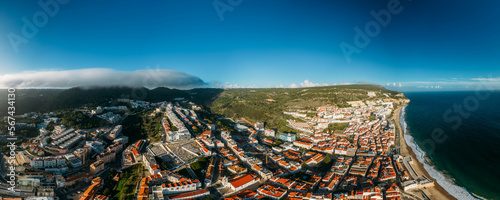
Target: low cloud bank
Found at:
102, 77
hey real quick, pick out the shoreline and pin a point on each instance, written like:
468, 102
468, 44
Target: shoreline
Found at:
436, 192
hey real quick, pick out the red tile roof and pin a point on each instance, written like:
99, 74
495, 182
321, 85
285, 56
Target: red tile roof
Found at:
188, 194
242, 180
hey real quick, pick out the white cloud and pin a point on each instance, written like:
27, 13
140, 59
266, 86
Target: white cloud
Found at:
430, 86
91, 77
306, 83
293, 85
229, 85
394, 84
454, 81
480, 83
487, 79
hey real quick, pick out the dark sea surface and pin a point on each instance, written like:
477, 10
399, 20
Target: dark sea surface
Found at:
466, 143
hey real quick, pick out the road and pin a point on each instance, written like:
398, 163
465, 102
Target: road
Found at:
215, 193
191, 172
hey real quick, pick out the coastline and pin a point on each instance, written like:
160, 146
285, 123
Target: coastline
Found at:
436, 192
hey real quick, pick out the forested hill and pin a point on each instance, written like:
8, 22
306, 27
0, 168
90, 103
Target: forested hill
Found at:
45, 100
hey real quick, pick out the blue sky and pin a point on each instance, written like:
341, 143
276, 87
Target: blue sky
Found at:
446, 45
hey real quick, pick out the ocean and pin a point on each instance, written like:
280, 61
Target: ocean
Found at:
457, 137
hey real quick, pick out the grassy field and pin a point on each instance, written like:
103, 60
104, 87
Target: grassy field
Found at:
337, 126
200, 165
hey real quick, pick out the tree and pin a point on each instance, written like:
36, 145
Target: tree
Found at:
5, 149
50, 126
107, 191
202, 159
80, 120
327, 159
304, 165
164, 165
195, 166
196, 130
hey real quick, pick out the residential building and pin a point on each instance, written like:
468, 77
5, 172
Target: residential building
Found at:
287, 137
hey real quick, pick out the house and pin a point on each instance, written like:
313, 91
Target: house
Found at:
190, 195
241, 182
97, 167
270, 133
272, 192
178, 187
287, 137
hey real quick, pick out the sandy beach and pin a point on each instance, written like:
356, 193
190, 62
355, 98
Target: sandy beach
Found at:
436, 192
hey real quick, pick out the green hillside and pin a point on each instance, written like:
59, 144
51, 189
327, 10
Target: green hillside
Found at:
268, 104
28, 100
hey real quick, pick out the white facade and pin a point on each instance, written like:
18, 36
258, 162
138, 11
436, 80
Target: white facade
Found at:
60, 160
181, 187
49, 162
270, 133
37, 163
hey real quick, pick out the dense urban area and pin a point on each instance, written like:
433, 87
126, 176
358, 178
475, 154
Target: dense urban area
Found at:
177, 150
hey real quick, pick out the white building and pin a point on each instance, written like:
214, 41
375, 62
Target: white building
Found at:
182, 132
270, 133
37, 163
241, 128
49, 162
287, 137
259, 126
185, 186
60, 160
25, 181
240, 182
